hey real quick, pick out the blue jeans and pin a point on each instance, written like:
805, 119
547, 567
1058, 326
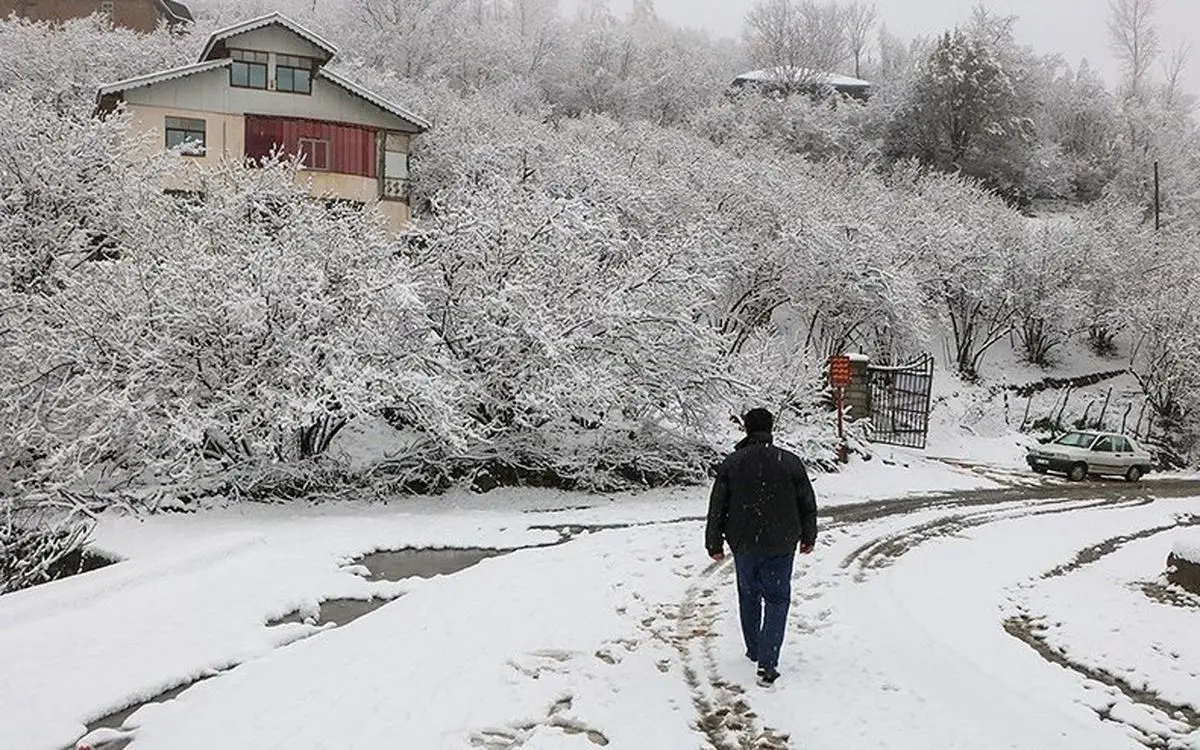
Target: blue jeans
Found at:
764, 594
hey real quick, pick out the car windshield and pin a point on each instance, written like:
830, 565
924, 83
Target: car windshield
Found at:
1077, 439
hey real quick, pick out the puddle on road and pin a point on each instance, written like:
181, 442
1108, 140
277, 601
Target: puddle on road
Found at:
339, 612
395, 565
117, 718
389, 565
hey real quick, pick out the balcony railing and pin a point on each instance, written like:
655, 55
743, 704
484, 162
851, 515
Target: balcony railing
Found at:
395, 188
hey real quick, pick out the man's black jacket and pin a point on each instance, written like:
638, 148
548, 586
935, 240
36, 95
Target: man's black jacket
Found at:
762, 501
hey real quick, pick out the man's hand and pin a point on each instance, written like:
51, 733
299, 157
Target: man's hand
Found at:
806, 549
718, 556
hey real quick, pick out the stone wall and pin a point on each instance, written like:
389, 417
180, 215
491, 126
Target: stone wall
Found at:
1184, 573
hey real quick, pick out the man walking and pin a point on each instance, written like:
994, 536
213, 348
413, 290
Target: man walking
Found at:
763, 505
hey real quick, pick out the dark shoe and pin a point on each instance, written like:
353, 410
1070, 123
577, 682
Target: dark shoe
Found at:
767, 676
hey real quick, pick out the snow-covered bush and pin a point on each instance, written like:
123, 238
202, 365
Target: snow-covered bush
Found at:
571, 276
1166, 360
612, 256
36, 543
1048, 302
143, 335
63, 64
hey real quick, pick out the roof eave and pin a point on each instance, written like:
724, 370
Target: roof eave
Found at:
418, 123
119, 87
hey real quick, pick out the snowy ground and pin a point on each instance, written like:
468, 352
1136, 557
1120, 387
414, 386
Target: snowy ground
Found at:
966, 620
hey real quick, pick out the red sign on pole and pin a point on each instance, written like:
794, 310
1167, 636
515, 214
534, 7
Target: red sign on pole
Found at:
839, 378
839, 371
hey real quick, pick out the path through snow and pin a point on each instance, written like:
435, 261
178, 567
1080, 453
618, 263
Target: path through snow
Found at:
901, 633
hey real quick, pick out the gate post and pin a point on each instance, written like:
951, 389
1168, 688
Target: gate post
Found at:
858, 393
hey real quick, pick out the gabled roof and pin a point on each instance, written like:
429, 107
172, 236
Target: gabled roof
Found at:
273, 19
176, 12
418, 122
163, 75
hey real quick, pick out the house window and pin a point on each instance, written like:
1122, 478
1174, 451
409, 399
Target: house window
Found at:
293, 74
315, 153
249, 69
106, 7
187, 134
395, 168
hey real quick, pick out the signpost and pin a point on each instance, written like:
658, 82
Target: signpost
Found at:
839, 378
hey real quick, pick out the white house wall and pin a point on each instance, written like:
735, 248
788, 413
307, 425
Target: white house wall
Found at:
210, 92
276, 39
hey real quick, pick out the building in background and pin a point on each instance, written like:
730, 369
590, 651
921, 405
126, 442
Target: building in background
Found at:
263, 87
784, 81
139, 15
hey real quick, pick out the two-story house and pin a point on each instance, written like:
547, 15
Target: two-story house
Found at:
263, 87
139, 15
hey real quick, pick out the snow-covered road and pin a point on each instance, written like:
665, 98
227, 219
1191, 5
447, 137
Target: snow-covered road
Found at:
1031, 617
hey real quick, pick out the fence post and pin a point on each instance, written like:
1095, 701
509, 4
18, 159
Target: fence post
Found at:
1104, 410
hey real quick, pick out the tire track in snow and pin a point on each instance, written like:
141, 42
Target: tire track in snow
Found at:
723, 713
1030, 629
884, 551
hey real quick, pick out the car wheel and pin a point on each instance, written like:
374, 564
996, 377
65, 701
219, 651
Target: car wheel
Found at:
1041, 470
1078, 473
1134, 474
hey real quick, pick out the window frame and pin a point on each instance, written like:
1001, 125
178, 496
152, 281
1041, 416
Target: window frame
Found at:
285, 62
257, 60
325, 146
186, 125
395, 187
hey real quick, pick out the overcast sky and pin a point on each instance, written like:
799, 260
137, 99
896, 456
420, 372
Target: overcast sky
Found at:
1073, 28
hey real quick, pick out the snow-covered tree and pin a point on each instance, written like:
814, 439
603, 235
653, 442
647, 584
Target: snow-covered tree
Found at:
1136, 41
65, 63
1044, 277
800, 38
1165, 358
859, 18
965, 111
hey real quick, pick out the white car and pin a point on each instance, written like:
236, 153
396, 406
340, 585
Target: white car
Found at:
1078, 454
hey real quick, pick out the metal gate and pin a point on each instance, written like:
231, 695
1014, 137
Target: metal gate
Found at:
900, 396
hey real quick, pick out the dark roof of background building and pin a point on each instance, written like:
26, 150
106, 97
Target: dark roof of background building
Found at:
177, 12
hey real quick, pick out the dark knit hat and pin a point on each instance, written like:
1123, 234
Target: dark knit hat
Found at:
758, 420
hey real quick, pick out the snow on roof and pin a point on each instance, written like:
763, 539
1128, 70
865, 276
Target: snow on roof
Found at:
799, 75
345, 83
271, 19
163, 75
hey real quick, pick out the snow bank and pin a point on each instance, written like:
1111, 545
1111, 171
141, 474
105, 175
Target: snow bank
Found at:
1188, 548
